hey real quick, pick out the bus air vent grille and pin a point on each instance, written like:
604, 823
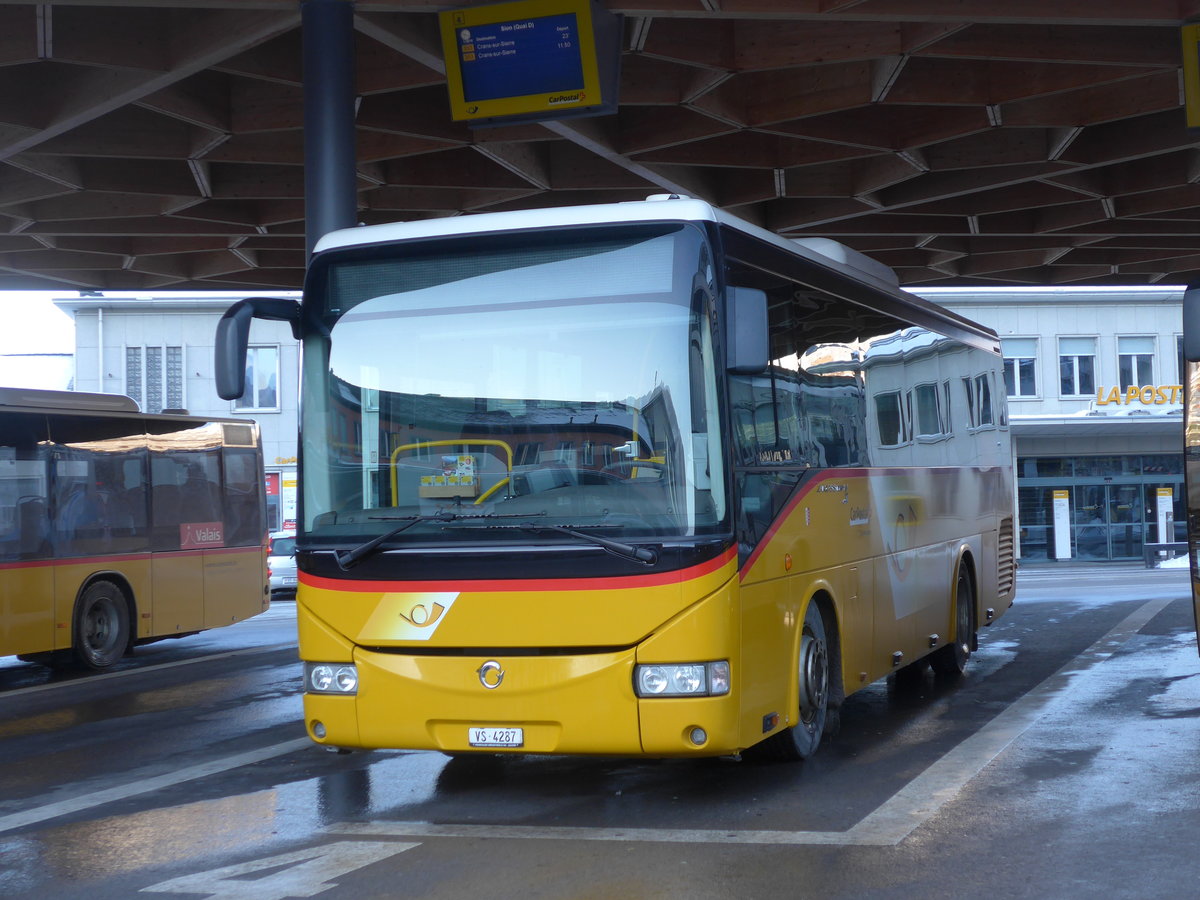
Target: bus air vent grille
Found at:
1006, 557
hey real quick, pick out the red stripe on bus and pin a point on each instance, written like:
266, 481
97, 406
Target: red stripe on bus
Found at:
831, 475
524, 584
786, 512
124, 557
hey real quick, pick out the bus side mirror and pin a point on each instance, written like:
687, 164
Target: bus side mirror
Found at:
746, 333
233, 338
1191, 323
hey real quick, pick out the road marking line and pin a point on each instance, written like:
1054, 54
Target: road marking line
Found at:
146, 785
301, 873
141, 670
888, 825
584, 833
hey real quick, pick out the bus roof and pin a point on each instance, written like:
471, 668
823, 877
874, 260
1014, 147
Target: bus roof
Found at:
845, 265
98, 406
657, 207
69, 401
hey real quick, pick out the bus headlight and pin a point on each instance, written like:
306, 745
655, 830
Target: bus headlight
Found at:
330, 678
682, 679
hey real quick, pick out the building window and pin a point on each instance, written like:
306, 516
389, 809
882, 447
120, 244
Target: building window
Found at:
1135, 361
262, 380
1077, 366
174, 378
893, 415
154, 377
980, 412
930, 418
1020, 369
527, 454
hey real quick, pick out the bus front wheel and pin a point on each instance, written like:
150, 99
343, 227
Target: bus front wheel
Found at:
101, 626
802, 739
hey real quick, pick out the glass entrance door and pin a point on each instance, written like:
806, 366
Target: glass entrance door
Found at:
1110, 521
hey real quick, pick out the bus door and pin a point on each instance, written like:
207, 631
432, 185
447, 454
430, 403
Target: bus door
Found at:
178, 561
26, 580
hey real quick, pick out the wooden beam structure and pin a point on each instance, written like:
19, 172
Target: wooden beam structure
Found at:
159, 144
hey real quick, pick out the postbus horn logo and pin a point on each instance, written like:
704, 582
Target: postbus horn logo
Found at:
421, 617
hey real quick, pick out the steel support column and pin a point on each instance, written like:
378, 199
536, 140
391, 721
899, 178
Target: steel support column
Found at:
330, 199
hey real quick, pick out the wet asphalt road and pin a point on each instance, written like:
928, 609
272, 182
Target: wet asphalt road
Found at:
1066, 764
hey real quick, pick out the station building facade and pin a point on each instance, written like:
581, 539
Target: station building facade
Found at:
159, 351
1094, 381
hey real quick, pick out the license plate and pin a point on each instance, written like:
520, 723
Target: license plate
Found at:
496, 737
287, 580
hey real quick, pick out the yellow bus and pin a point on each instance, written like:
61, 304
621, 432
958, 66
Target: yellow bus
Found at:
118, 528
636, 479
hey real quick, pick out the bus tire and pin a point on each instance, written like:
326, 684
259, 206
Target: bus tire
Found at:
101, 625
951, 659
801, 740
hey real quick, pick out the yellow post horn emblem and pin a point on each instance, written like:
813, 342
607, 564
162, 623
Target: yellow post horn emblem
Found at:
420, 617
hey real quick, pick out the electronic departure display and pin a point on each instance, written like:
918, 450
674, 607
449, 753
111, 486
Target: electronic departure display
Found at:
531, 60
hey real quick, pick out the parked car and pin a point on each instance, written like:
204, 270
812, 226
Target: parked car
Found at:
281, 565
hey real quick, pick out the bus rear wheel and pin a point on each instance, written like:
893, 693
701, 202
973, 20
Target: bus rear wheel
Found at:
802, 739
101, 627
952, 659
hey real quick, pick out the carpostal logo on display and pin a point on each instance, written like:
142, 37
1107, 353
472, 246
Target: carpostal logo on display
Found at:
561, 99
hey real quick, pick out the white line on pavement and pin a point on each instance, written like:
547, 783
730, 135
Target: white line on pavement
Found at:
142, 670
146, 785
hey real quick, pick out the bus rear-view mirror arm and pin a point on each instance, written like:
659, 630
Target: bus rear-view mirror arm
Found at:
746, 333
233, 338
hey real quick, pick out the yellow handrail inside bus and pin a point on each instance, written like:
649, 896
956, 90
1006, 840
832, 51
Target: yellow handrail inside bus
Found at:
484, 442
495, 487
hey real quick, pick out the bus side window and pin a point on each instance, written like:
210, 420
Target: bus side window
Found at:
199, 490
33, 528
79, 519
763, 496
166, 504
244, 525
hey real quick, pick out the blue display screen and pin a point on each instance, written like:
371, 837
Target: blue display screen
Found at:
525, 56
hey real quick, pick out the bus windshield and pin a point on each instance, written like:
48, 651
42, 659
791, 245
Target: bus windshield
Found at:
554, 379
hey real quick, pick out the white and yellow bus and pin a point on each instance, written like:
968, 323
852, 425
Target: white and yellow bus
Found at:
119, 528
637, 479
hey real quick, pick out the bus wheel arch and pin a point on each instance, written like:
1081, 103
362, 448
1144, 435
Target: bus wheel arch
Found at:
818, 689
102, 621
821, 603
951, 658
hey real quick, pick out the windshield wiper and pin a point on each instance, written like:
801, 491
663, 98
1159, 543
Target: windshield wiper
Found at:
617, 548
346, 559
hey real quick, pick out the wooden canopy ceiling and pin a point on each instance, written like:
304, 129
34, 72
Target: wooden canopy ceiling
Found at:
158, 144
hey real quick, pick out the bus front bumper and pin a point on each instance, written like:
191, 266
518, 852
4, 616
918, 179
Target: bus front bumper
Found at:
567, 704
